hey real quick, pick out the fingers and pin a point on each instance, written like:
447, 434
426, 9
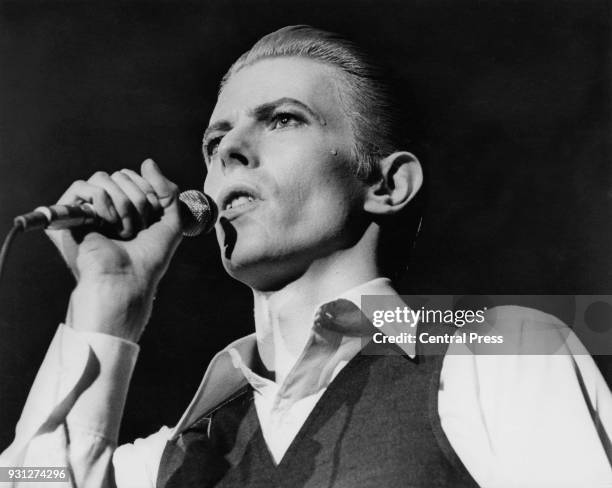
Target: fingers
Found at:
136, 199
145, 187
126, 200
83, 191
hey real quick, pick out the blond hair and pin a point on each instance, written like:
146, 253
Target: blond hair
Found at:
365, 97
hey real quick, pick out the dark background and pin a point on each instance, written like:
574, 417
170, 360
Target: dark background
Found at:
515, 123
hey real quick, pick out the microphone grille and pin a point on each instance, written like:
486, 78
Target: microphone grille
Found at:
199, 212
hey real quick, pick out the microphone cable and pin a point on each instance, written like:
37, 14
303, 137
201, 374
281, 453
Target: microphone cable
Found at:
8, 240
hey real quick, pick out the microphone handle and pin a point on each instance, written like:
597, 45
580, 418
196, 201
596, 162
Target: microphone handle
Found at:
59, 217
198, 214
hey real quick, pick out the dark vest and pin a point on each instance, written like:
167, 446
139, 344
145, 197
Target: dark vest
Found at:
376, 425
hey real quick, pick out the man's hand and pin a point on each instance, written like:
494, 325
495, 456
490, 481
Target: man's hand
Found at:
117, 277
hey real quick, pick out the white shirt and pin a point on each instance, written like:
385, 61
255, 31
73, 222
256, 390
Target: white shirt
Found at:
514, 420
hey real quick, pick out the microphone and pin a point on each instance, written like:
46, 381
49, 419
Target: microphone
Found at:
198, 214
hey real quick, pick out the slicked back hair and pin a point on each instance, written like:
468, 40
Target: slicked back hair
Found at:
364, 94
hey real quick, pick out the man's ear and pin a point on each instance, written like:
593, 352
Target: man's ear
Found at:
400, 178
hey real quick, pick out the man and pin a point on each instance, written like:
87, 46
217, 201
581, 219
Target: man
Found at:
304, 162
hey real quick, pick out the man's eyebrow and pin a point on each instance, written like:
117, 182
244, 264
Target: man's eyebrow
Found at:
261, 111
221, 126
265, 109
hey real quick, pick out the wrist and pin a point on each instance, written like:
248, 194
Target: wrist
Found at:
121, 309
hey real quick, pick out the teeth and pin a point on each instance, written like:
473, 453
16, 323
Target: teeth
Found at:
237, 201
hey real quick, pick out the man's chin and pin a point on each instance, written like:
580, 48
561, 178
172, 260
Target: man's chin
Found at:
242, 267
258, 274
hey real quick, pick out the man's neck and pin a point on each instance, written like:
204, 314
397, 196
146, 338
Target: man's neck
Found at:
284, 318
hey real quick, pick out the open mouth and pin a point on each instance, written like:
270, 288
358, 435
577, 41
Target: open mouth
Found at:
238, 199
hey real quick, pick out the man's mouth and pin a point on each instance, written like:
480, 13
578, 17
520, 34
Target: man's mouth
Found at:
238, 201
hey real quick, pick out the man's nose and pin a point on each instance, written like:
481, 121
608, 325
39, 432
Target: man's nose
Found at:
236, 149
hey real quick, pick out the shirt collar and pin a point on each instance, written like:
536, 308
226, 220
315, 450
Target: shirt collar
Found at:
336, 337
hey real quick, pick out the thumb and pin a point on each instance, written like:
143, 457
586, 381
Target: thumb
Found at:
167, 193
166, 190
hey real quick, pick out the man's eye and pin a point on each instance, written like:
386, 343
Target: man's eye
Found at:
212, 146
285, 119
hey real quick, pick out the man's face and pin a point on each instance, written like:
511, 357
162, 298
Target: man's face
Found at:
278, 150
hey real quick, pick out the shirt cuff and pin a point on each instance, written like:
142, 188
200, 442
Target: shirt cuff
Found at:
83, 380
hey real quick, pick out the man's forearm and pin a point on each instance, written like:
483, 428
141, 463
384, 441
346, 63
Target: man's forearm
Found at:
74, 409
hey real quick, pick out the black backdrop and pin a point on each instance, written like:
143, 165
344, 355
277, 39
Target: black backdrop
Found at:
516, 120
